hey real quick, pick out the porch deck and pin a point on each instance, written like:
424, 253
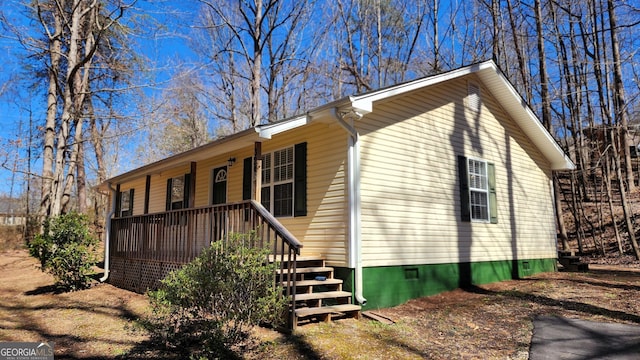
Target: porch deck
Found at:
143, 249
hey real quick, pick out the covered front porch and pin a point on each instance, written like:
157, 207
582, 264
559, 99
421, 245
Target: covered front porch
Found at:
143, 249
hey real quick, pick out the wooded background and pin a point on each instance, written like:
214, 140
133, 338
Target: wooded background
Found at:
94, 103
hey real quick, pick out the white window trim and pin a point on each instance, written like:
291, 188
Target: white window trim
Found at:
173, 179
122, 195
272, 183
484, 190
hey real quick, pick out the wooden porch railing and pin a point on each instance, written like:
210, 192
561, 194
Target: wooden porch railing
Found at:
178, 236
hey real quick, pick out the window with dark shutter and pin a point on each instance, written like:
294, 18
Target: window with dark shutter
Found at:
124, 203
284, 181
178, 192
478, 200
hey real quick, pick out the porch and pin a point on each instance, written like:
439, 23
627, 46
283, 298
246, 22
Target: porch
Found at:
143, 249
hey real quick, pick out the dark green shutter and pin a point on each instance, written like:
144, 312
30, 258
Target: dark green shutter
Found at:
493, 200
118, 199
130, 211
168, 203
247, 172
147, 193
300, 179
463, 176
187, 192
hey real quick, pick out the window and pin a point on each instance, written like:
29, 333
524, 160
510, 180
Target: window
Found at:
124, 203
277, 182
284, 181
477, 190
178, 192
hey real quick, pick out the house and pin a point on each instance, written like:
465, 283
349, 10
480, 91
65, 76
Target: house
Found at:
12, 211
403, 192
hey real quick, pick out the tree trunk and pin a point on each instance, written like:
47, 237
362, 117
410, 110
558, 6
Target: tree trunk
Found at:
495, 43
100, 201
607, 181
623, 198
619, 98
436, 38
81, 181
256, 65
546, 118
562, 229
522, 66
54, 53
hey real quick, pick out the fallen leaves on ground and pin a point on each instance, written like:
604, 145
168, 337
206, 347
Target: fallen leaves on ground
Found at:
492, 321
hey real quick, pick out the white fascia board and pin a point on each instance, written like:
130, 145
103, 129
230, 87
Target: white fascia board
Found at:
268, 130
503, 91
224, 145
524, 116
362, 106
418, 84
546, 143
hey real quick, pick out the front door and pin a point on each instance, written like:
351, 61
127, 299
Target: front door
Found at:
219, 187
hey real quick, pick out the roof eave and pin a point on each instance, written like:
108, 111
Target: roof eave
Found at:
519, 110
266, 131
488, 72
233, 141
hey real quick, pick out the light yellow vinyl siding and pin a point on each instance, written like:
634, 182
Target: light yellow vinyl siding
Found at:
234, 177
138, 194
324, 230
158, 190
410, 189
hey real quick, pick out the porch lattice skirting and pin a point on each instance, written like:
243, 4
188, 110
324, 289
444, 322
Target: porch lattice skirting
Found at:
139, 275
145, 248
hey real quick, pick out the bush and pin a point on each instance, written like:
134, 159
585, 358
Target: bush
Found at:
66, 250
208, 307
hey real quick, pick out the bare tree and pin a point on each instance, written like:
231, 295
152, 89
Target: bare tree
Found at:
181, 120
262, 37
376, 41
619, 103
68, 52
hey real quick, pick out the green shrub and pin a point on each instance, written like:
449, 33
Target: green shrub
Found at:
208, 307
66, 250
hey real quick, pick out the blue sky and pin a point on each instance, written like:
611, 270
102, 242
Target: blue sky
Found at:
163, 47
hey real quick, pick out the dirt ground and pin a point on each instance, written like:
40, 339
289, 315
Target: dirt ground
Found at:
488, 322
94, 323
